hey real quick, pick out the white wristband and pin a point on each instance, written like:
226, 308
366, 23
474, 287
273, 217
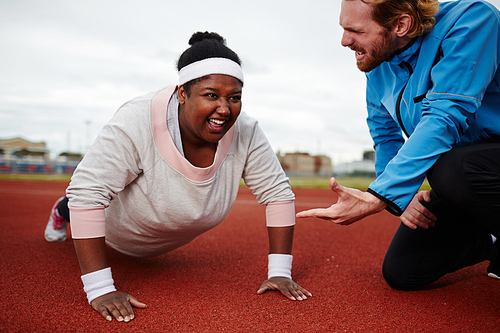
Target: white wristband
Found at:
280, 265
98, 283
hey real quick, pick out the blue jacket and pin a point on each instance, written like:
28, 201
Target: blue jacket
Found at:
442, 91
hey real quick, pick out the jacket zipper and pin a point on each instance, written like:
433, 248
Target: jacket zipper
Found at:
400, 97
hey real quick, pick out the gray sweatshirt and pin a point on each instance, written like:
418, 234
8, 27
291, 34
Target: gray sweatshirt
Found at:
135, 188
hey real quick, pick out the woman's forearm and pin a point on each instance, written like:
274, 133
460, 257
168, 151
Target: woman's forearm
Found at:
280, 239
91, 254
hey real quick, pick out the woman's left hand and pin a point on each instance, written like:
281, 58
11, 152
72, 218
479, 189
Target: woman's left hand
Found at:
287, 287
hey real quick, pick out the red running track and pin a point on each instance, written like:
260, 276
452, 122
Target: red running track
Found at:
210, 284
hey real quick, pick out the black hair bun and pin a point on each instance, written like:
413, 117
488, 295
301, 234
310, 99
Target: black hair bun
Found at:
200, 36
204, 45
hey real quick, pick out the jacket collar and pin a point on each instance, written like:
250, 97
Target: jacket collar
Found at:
406, 53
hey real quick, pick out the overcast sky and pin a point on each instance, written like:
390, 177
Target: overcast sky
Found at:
67, 66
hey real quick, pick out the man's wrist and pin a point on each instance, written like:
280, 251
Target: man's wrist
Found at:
375, 202
390, 206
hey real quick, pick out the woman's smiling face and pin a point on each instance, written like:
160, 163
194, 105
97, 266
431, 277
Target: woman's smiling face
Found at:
210, 109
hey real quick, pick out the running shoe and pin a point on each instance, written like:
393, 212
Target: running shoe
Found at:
494, 267
494, 270
57, 225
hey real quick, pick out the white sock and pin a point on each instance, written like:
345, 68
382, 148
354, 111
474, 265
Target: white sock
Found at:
493, 238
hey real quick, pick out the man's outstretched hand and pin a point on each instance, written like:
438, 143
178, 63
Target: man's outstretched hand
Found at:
352, 205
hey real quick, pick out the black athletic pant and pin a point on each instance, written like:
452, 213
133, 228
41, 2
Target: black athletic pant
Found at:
465, 198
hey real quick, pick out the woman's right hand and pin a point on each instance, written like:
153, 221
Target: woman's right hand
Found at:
117, 304
91, 253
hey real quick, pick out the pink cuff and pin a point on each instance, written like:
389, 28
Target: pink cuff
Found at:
87, 222
280, 214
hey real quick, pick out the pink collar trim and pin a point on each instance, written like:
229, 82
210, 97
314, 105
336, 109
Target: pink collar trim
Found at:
165, 144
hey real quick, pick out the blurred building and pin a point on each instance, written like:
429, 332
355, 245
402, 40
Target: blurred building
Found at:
18, 155
363, 168
305, 165
67, 162
20, 148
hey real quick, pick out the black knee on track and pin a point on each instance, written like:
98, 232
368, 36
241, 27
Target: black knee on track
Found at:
397, 277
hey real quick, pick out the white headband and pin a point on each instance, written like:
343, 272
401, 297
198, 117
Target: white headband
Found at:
210, 66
